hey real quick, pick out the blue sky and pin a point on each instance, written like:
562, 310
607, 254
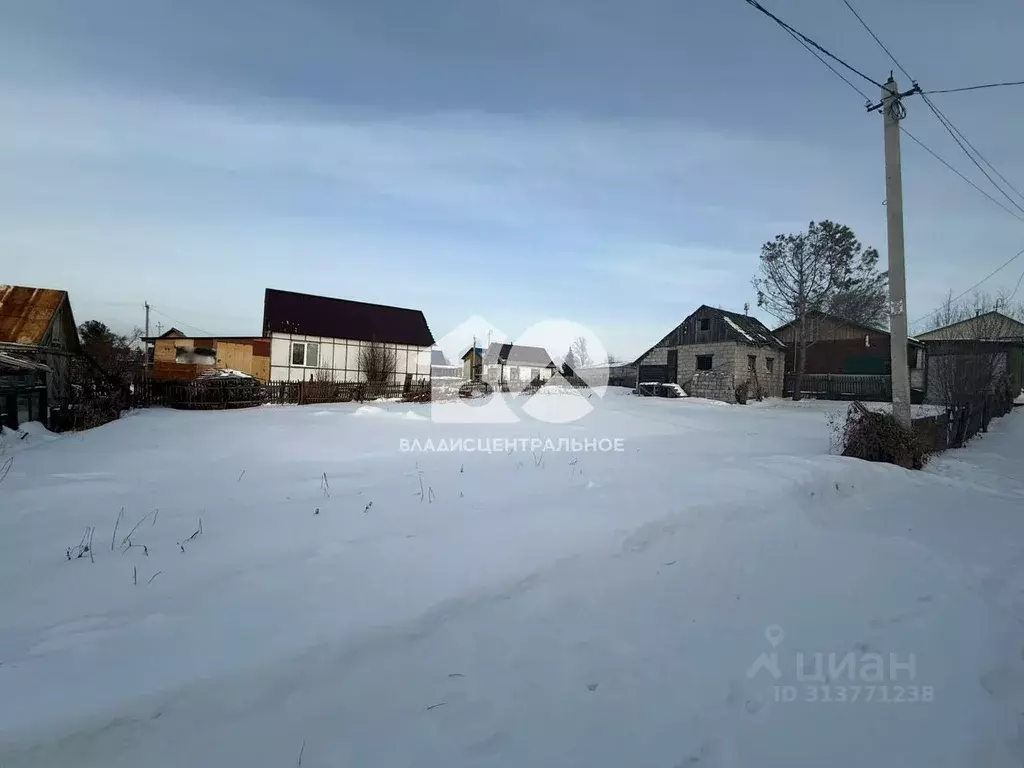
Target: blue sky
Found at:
613, 163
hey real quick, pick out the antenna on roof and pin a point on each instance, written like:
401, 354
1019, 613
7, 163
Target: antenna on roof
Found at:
746, 308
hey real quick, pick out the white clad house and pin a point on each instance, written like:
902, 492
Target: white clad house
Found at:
516, 365
317, 338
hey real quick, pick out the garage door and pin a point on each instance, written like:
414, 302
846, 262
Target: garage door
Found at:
658, 373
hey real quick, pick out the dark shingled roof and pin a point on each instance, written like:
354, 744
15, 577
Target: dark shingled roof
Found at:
302, 313
517, 354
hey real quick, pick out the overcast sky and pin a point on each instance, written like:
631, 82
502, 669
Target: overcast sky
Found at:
614, 162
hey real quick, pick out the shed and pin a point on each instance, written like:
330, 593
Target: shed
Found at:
37, 326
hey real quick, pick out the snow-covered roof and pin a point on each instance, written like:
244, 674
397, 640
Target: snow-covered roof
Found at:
21, 364
749, 328
738, 330
224, 373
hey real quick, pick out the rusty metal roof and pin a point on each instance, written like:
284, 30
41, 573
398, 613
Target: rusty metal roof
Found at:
26, 313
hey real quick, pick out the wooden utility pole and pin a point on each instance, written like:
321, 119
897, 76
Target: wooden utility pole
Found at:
892, 113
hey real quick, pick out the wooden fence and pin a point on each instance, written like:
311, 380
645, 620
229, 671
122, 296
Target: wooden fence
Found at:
229, 392
954, 428
842, 386
308, 392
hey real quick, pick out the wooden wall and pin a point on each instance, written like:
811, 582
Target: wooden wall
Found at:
250, 356
828, 329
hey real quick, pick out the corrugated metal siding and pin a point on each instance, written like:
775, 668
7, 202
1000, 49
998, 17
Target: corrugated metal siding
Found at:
26, 313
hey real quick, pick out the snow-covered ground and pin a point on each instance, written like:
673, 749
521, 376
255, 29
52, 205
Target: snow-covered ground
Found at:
641, 607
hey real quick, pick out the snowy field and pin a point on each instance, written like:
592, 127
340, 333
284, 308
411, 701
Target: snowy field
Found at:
646, 607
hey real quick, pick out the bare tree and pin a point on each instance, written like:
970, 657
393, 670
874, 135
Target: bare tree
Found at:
579, 350
103, 374
953, 311
378, 363
968, 366
324, 376
805, 272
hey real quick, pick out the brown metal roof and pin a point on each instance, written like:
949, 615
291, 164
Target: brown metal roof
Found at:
301, 313
912, 340
26, 313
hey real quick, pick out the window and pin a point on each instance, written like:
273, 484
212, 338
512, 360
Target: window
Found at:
751, 362
704, 362
534, 374
769, 364
305, 353
195, 355
705, 324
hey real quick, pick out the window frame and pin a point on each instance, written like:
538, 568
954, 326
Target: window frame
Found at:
305, 346
752, 363
704, 324
710, 362
769, 364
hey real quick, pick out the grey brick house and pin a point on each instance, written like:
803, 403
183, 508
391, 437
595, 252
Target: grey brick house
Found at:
714, 351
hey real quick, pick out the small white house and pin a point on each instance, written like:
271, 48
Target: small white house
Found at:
317, 338
441, 368
516, 365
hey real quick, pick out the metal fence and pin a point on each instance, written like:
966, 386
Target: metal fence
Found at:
842, 386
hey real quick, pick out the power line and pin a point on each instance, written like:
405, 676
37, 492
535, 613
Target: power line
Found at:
938, 157
974, 149
991, 274
809, 41
796, 36
957, 134
953, 131
880, 43
948, 125
1015, 288
978, 87
835, 71
181, 322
